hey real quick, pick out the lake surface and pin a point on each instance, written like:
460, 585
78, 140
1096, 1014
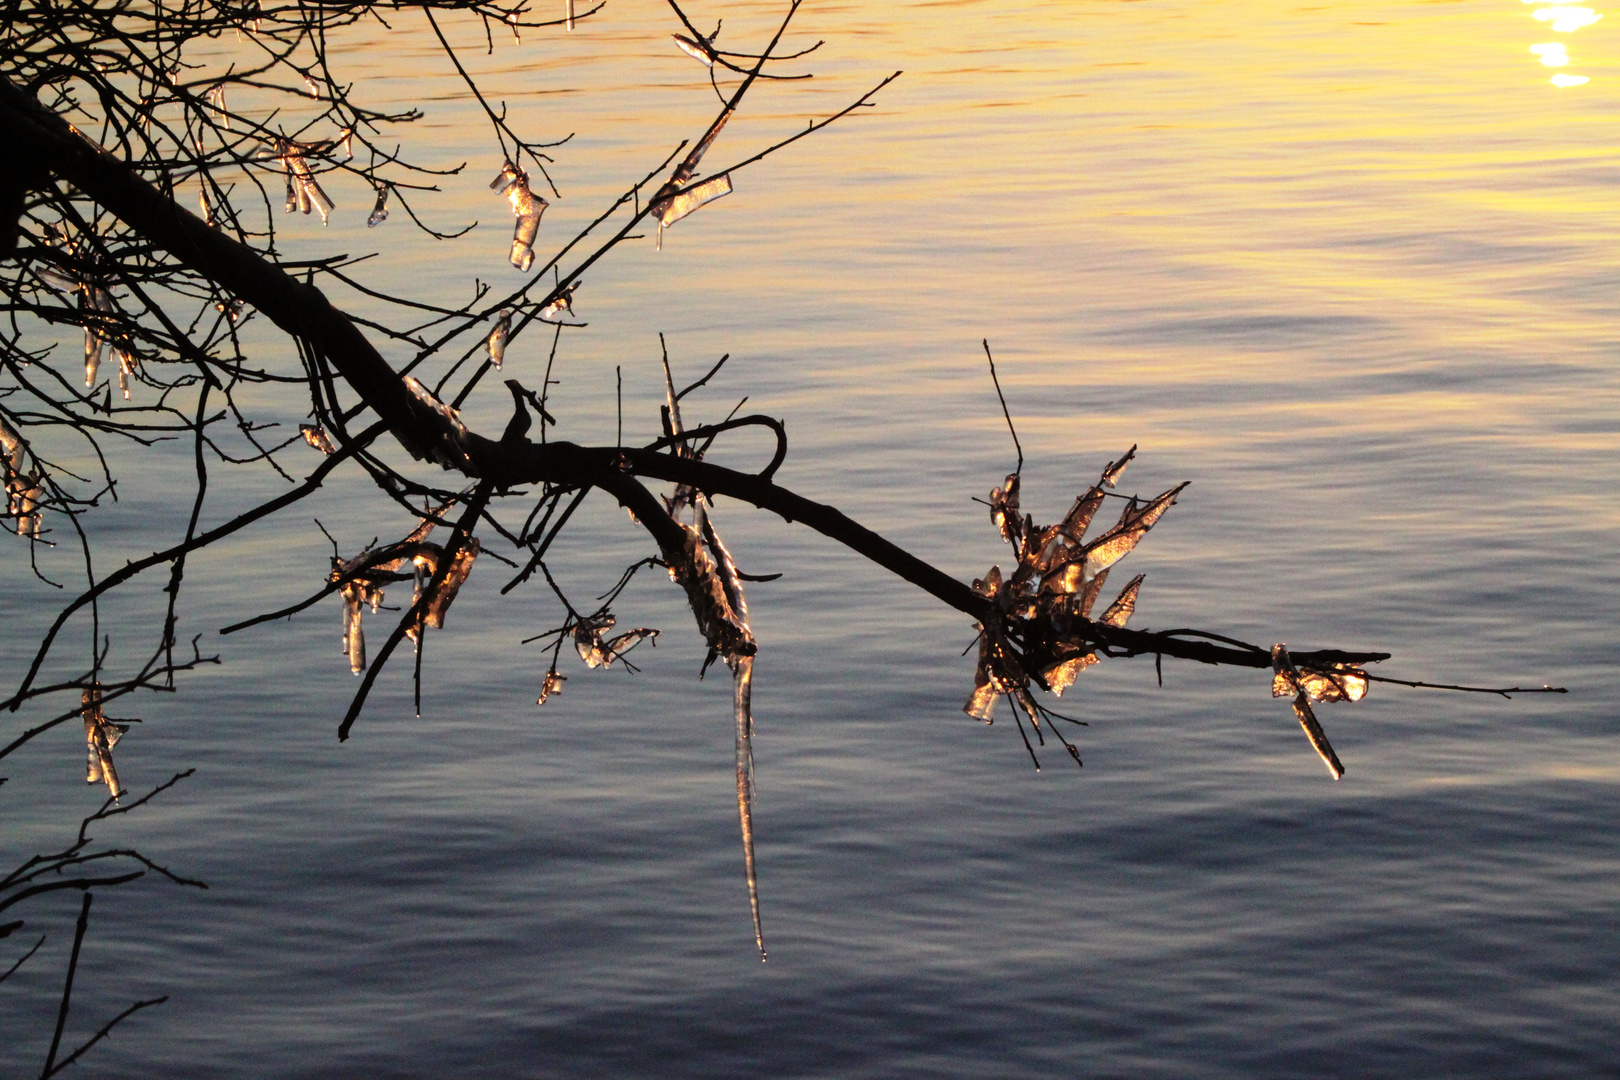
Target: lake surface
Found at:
1350, 268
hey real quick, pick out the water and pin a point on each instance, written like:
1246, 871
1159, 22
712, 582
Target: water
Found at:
1348, 268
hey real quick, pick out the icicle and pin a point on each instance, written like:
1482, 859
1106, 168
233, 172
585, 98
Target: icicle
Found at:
1285, 672
354, 639
427, 564
313, 87
551, 685
346, 143
588, 639
28, 516
1134, 523
598, 653
563, 302
512, 21
12, 448
95, 345
100, 736
671, 203
379, 212
527, 207
1061, 675
743, 684
1111, 475
216, 101
126, 368
995, 674
314, 196
22, 488
678, 206
303, 190
496, 343
1344, 683
705, 569
568, 6
702, 53
317, 437
1004, 512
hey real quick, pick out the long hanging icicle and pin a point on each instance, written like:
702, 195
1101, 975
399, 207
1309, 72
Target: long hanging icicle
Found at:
743, 691
714, 589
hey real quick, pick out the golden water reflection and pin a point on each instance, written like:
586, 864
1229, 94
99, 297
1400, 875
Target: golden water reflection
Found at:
1561, 19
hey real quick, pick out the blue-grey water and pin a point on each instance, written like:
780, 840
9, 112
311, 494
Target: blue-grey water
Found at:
1350, 268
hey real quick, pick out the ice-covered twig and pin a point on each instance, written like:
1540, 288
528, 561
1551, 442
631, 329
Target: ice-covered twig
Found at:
457, 430
1039, 629
552, 685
